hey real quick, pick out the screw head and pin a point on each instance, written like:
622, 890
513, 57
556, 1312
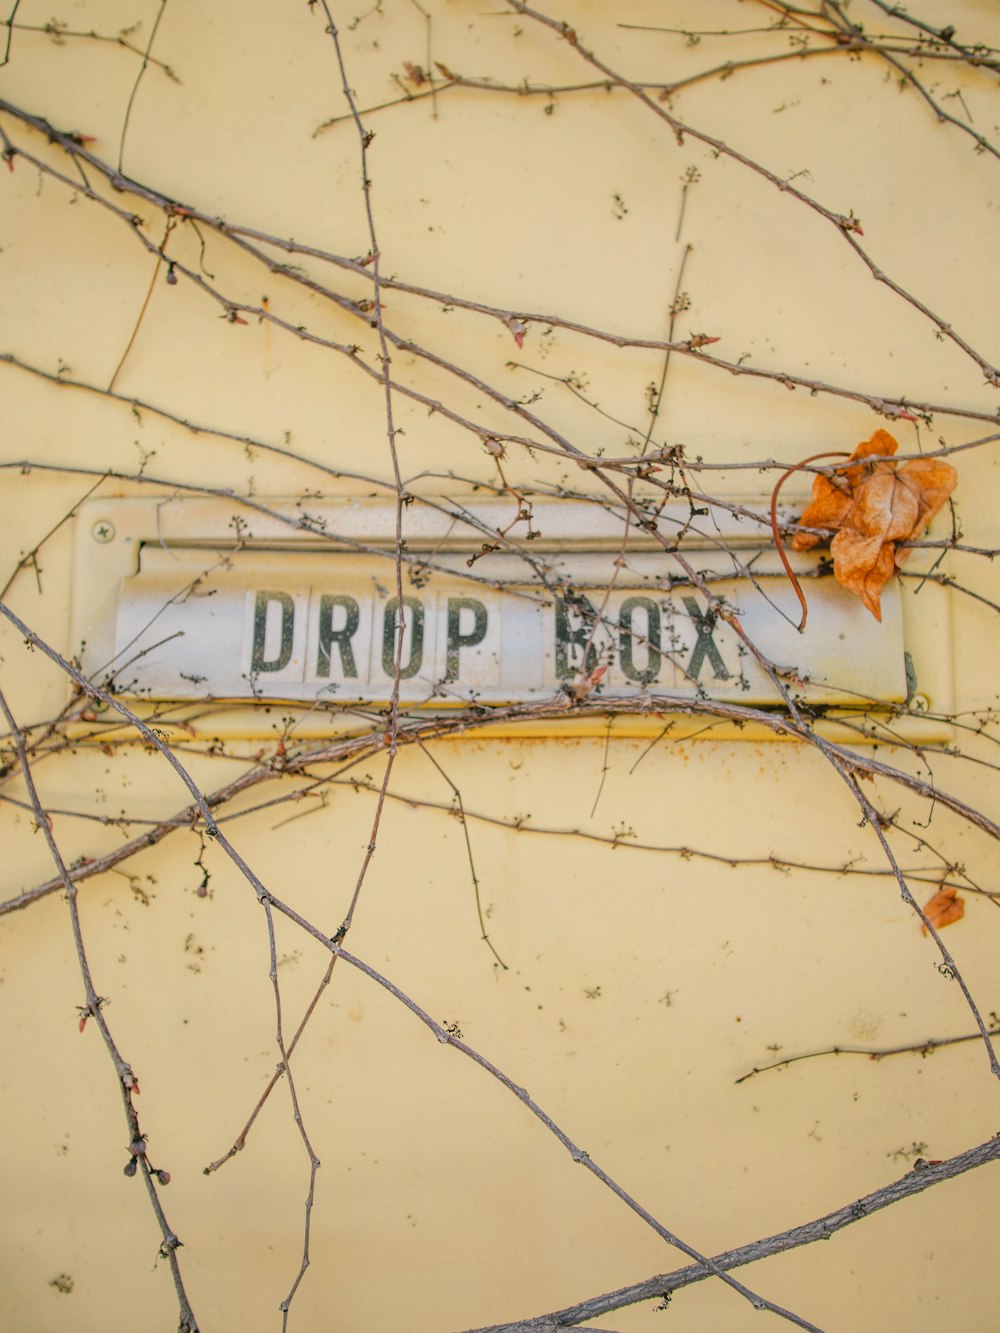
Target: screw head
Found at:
103, 531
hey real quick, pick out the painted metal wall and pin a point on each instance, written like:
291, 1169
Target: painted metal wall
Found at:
625, 895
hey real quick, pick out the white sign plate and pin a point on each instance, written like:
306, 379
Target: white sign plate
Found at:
307, 615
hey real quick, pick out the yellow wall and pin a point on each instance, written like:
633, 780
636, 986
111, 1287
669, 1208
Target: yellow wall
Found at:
670, 911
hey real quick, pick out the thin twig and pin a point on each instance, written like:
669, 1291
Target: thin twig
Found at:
138, 79
927, 1047
655, 1288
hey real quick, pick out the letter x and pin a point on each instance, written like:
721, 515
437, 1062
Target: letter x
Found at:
705, 646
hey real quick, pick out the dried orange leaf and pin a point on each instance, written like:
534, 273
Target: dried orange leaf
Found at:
863, 565
829, 505
944, 908
934, 482
884, 511
871, 506
880, 444
833, 496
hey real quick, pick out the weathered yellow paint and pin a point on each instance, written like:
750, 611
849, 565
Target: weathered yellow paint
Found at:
672, 909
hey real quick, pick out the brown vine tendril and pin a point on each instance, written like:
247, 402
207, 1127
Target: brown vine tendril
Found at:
779, 545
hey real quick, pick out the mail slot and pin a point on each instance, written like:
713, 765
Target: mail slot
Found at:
202, 600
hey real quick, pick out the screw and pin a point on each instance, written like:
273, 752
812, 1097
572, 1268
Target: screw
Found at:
103, 531
920, 704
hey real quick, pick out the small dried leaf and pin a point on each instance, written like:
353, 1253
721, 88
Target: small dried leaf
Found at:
518, 328
863, 565
880, 444
934, 482
830, 504
944, 908
884, 510
871, 506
